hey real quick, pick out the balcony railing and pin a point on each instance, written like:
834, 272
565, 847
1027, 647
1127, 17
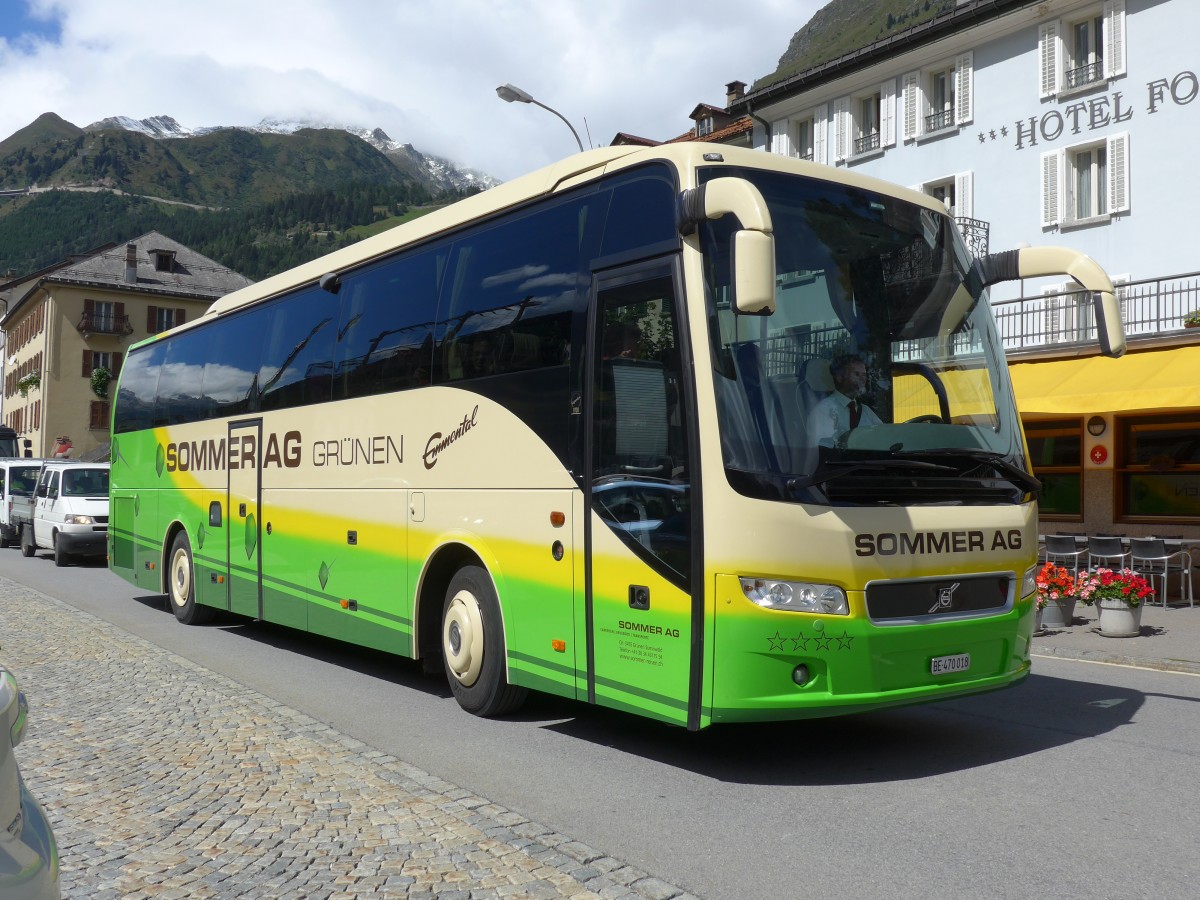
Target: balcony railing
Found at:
1082, 75
939, 120
91, 323
975, 233
867, 143
1149, 308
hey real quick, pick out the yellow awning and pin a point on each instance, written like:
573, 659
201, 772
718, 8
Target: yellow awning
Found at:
1154, 379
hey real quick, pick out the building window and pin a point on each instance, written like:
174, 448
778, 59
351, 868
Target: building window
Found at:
1084, 52
164, 261
803, 139
1158, 467
940, 98
704, 126
1086, 183
801, 136
866, 123
1089, 181
99, 414
1056, 455
104, 316
161, 318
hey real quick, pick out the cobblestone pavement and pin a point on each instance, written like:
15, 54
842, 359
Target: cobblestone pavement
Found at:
164, 779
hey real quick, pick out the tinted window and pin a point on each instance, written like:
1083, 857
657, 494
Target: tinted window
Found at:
511, 290
297, 362
230, 373
642, 212
179, 383
385, 335
136, 394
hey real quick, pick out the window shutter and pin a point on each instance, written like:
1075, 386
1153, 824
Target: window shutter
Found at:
780, 138
89, 306
116, 363
912, 83
964, 195
1051, 177
887, 113
152, 319
964, 88
180, 317
1118, 173
820, 125
1114, 38
841, 128
1048, 59
119, 314
87, 363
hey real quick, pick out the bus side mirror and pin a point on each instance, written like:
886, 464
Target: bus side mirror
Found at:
754, 272
29, 448
753, 250
1039, 262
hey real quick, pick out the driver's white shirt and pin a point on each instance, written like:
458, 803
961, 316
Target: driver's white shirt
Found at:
830, 419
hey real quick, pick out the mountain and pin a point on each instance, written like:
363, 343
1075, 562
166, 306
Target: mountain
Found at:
436, 173
256, 199
843, 26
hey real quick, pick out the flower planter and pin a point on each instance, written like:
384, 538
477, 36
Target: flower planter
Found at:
1038, 612
1058, 613
1118, 618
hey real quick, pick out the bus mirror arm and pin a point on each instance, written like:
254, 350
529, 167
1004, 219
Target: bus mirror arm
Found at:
752, 260
1039, 262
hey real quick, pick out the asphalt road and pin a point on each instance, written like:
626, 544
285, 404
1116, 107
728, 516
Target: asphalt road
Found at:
1079, 783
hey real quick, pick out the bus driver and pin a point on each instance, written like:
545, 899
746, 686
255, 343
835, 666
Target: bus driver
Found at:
843, 410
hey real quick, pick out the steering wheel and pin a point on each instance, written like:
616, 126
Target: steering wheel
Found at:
928, 418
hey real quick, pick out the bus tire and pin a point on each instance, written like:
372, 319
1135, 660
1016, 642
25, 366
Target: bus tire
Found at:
181, 584
61, 558
27, 546
473, 646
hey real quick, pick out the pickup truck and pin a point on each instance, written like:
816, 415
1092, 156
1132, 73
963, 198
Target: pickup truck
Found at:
18, 478
68, 513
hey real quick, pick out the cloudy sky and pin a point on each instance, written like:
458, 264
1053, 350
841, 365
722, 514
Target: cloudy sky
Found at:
425, 71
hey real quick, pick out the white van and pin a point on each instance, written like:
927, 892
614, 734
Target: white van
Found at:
70, 511
18, 479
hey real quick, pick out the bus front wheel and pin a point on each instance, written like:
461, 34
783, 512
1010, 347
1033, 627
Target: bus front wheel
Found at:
473, 646
182, 586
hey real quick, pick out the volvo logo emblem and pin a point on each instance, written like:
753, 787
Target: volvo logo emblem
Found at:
945, 597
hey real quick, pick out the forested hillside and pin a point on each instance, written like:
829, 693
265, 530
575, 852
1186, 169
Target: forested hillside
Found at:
43, 229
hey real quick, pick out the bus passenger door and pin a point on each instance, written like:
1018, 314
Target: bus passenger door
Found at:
244, 531
643, 613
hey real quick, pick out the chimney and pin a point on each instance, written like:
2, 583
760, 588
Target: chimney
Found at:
131, 263
734, 91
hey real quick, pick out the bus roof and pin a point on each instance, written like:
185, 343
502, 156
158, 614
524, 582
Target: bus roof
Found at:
570, 172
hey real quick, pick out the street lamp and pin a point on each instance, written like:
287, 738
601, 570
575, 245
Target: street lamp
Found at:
510, 93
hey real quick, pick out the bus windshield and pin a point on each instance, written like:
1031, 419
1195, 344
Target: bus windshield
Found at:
880, 377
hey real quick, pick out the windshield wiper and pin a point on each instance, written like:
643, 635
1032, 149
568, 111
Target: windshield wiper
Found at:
838, 468
1010, 470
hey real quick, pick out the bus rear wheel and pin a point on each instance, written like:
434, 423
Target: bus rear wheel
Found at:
473, 646
182, 584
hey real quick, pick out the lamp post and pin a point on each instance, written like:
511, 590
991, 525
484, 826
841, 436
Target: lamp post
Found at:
510, 93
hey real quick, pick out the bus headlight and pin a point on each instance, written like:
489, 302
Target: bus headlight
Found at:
80, 520
796, 596
1029, 583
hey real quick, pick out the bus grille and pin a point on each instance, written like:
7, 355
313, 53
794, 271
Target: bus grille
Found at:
935, 597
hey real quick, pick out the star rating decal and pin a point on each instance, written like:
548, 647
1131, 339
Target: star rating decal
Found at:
817, 641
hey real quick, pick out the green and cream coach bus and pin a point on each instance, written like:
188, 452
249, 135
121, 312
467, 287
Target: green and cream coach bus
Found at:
560, 436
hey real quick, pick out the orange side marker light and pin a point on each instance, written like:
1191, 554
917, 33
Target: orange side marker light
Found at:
559, 646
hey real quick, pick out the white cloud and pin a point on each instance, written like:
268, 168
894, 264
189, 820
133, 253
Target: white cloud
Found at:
425, 72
